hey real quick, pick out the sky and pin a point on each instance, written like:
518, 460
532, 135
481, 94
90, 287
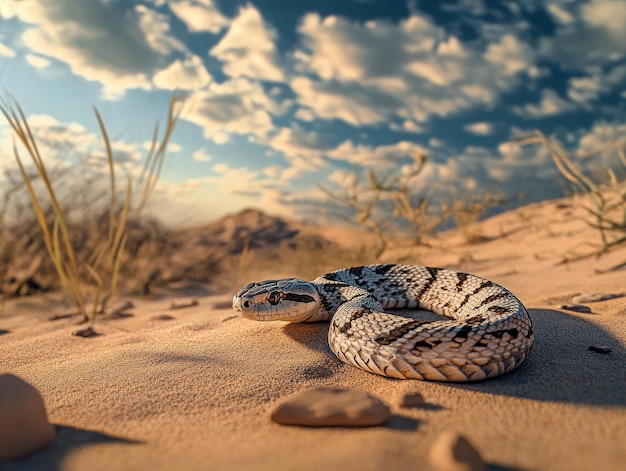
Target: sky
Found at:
283, 95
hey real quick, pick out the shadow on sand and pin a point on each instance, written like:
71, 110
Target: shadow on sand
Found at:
560, 366
68, 440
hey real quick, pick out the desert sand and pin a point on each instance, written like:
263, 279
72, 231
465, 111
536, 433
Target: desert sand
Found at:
193, 388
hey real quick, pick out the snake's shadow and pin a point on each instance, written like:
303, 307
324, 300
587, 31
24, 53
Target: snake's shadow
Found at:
68, 440
560, 366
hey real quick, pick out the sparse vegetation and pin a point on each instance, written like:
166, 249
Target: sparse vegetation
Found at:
602, 195
389, 203
86, 261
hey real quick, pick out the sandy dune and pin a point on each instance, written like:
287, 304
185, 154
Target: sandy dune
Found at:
194, 391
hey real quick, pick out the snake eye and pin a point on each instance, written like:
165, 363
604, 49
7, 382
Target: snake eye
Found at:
274, 297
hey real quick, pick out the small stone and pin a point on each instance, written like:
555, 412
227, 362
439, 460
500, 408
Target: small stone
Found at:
603, 349
596, 297
411, 399
24, 426
162, 317
325, 406
85, 332
576, 308
453, 452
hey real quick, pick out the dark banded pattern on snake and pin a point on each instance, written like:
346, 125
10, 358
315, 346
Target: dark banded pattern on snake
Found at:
486, 331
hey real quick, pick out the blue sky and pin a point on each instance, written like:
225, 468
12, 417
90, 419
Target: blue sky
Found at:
284, 95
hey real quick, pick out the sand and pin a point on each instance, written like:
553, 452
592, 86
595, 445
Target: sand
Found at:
194, 392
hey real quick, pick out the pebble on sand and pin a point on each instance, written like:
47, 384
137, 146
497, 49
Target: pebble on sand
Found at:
86, 332
453, 452
411, 399
24, 426
576, 308
602, 349
325, 406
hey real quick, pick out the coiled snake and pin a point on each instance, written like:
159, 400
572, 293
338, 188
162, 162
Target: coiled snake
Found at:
488, 331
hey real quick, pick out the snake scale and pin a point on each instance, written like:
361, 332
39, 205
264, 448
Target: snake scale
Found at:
486, 331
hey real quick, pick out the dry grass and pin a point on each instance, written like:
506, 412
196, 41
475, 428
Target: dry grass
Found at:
90, 280
389, 204
602, 195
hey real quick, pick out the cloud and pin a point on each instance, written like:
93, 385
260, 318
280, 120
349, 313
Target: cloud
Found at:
37, 61
589, 34
237, 106
550, 104
183, 74
599, 81
231, 188
355, 104
480, 128
598, 135
383, 156
201, 155
407, 126
114, 43
199, 15
303, 150
65, 144
6, 51
248, 49
365, 73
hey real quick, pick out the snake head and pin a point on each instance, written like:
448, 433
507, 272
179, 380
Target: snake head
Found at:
289, 299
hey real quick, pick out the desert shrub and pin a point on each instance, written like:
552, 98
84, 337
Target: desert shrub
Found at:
390, 203
601, 193
86, 243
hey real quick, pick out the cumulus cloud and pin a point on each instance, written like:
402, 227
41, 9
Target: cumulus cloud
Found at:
183, 74
201, 155
550, 104
199, 15
37, 61
230, 188
589, 34
115, 43
480, 128
383, 156
63, 144
237, 106
599, 81
303, 150
248, 49
407, 125
364, 73
6, 51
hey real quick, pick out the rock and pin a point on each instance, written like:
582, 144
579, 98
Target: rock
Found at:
411, 399
324, 407
576, 308
24, 426
453, 452
162, 317
86, 332
603, 349
596, 297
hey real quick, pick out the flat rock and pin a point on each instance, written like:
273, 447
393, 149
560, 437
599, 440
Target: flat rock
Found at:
324, 407
576, 308
24, 426
411, 399
453, 452
602, 349
596, 297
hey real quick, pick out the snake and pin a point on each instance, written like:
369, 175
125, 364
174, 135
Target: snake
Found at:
482, 329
